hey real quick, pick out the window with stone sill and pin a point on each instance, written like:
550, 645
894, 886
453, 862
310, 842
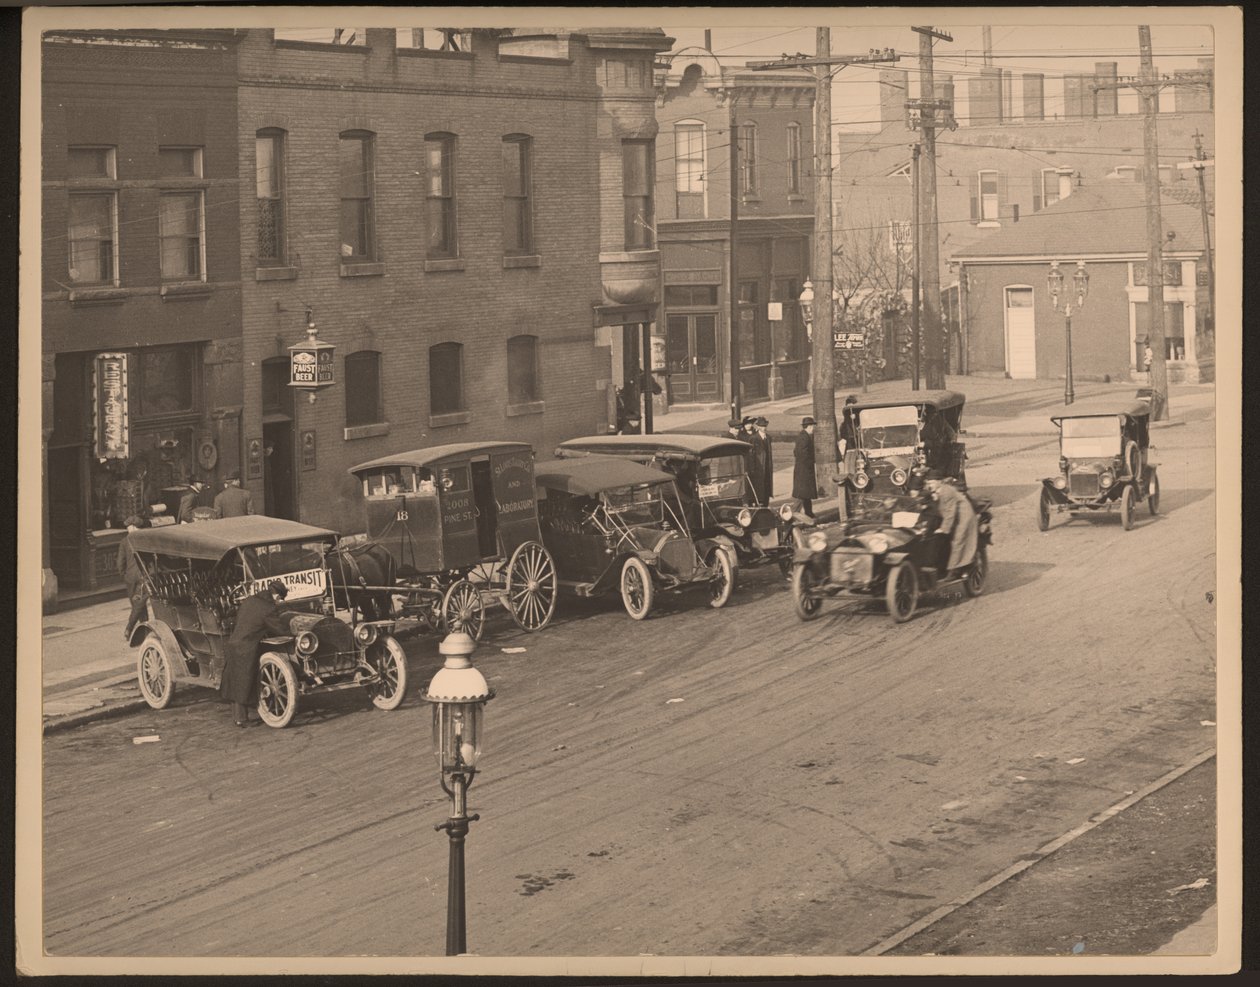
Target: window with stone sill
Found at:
523, 370
439, 149
269, 184
358, 219
446, 378
364, 401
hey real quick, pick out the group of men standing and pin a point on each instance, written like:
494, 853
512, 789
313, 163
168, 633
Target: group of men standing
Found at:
231, 501
752, 429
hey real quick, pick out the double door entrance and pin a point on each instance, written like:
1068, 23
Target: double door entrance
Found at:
691, 352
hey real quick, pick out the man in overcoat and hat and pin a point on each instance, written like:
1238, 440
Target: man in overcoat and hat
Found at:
133, 579
804, 483
958, 519
761, 461
735, 428
189, 502
232, 501
257, 617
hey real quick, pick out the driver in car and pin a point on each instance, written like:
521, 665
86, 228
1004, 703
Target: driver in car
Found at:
958, 519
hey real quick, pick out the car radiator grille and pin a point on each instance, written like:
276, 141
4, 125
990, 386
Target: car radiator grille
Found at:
1083, 485
851, 567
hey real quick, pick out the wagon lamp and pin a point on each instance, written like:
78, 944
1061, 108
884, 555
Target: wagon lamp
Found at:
459, 694
1055, 284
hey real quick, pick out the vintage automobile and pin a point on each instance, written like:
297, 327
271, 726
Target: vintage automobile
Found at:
712, 478
612, 524
1103, 448
896, 554
448, 528
894, 434
196, 576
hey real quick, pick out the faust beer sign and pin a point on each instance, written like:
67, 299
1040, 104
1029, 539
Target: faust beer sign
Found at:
111, 419
311, 364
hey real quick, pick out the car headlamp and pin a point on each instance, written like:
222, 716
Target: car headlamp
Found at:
1060, 482
899, 477
785, 512
877, 543
306, 643
1106, 479
365, 634
861, 480
744, 517
817, 542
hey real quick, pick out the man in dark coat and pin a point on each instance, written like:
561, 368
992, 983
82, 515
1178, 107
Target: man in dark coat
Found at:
735, 428
190, 501
257, 617
804, 485
232, 501
761, 462
132, 577
958, 519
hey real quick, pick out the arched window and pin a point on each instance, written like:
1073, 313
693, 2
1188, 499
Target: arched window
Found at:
689, 168
358, 220
364, 400
446, 378
439, 151
794, 158
748, 158
518, 224
523, 375
269, 186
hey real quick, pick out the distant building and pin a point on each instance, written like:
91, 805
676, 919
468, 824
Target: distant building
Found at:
697, 99
140, 284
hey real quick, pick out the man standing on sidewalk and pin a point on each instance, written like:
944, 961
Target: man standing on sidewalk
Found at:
232, 501
188, 502
133, 579
761, 462
804, 484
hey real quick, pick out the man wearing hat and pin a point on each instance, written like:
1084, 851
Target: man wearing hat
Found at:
760, 462
132, 577
958, 519
735, 428
232, 501
804, 484
257, 617
188, 503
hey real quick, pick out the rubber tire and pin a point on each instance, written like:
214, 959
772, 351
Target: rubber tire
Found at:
1152, 492
900, 573
164, 677
455, 617
635, 576
807, 606
721, 588
1132, 460
1043, 510
277, 690
977, 574
531, 606
1127, 507
393, 661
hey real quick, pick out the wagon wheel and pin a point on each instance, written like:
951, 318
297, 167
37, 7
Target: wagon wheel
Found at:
1128, 503
277, 690
1132, 460
973, 583
462, 610
1152, 492
484, 574
807, 603
153, 669
1043, 510
902, 591
723, 583
531, 586
388, 660
637, 590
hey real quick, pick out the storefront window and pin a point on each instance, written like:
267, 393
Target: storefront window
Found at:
163, 383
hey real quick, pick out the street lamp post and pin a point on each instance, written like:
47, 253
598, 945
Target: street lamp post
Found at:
459, 694
1080, 281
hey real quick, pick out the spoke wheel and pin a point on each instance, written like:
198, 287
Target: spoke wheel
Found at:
637, 590
153, 669
1152, 492
277, 690
808, 605
462, 610
1043, 510
973, 584
902, 592
723, 583
1127, 503
531, 586
388, 660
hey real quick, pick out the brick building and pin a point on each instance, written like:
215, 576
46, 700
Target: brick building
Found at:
697, 100
469, 223
140, 284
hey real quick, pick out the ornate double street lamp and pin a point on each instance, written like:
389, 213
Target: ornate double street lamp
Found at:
1080, 281
459, 694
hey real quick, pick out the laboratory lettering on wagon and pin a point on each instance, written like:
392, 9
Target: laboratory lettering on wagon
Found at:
110, 413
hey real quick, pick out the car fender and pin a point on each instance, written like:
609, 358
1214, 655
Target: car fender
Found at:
1057, 495
167, 637
610, 579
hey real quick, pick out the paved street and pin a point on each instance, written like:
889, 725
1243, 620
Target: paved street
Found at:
705, 782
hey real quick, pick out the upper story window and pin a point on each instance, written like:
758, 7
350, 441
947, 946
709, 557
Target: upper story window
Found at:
522, 361
269, 186
181, 216
439, 150
91, 162
446, 378
689, 169
518, 225
358, 219
1045, 188
794, 158
748, 158
364, 404
637, 176
92, 235
986, 196
1126, 171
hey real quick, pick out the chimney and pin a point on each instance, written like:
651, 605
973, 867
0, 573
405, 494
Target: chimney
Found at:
1065, 182
894, 90
1008, 95
708, 39
1034, 96
1106, 101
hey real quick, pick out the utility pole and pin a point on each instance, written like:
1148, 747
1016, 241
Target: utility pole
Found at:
914, 267
1148, 87
822, 365
733, 347
1200, 163
930, 277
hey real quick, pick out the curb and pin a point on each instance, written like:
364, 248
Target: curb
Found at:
105, 712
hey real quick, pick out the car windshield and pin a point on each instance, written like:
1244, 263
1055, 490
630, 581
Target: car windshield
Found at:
636, 505
1091, 438
721, 477
889, 430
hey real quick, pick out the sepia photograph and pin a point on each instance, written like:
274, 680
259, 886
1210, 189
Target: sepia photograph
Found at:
698, 492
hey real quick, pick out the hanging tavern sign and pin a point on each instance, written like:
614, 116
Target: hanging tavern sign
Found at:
110, 418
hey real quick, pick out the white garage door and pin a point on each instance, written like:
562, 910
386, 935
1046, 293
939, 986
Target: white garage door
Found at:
1021, 334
